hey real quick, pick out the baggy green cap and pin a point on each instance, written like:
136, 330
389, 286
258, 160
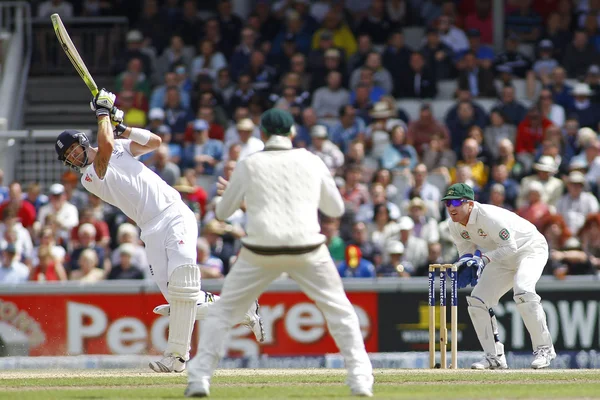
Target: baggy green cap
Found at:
459, 191
276, 122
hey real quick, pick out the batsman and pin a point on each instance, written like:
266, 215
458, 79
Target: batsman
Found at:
498, 250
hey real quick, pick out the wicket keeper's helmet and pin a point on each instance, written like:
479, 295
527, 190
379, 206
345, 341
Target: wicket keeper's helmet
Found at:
64, 142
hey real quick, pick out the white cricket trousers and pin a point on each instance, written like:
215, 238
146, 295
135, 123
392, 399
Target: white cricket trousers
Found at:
250, 275
170, 242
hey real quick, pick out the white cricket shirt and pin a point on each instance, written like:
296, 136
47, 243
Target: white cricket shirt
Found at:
283, 188
130, 186
499, 233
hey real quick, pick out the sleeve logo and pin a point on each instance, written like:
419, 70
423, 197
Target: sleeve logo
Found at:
465, 235
504, 234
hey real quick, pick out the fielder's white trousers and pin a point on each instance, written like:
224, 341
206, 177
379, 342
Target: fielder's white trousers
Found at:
251, 274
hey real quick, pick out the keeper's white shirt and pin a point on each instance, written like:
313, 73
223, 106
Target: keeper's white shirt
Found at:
130, 186
283, 189
499, 233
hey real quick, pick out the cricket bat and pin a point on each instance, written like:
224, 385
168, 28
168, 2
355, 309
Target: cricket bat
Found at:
73, 54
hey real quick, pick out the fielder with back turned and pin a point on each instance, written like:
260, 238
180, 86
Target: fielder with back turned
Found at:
168, 226
283, 189
499, 250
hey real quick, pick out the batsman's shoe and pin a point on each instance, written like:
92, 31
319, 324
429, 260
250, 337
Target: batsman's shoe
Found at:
198, 389
168, 364
491, 361
543, 357
254, 322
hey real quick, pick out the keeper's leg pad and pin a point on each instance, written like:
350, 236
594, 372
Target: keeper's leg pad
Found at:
486, 327
184, 292
530, 307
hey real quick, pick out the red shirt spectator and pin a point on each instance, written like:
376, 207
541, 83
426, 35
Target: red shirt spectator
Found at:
102, 231
482, 20
25, 210
530, 131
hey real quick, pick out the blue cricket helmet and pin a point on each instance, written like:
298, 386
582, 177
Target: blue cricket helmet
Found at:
65, 140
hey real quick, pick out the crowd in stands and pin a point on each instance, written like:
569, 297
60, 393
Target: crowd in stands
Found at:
339, 67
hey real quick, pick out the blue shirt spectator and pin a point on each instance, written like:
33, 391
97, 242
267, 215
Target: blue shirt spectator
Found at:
348, 128
203, 152
354, 266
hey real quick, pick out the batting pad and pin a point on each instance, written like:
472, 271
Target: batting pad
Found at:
534, 317
184, 292
484, 324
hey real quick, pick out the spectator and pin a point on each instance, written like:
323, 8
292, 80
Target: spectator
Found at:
561, 92
559, 35
261, 74
365, 47
332, 62
425, 227
250, 144
436, 155
498, 129
360, 239
177, 114
34, 196
3, 188
398, 154
531, 131
127, 233
224, 86
481, 20
204, 153
554, 112
589, 235
438, 55
208, 61
66, 213
592, 78
382, 226
152, 26
11, 269
483, 53
134, 79
48, 268
534, 209
24, 209
355, 266
524, 22
230, 27
420, 81
293, 32
510, 187
13, 232
49, 7
458, 128
587, 112
395, 251
86, 216
476, 77
545, 63
163, 167
396, 59
159, 94
330, 227
211, 267
134, 116
243, 93
452, 36
349, 128
75, 196
135, 48
87, 236
353, 191
497, 197
298, 66
190, 26
214, 232
479, 171
512, 109
556, 232
374, 92
328, 152
552, 187
343, 38
376, 23
423, 129
415, 248
506, 155
269, 24
125, 269
309, 120
89, 271
483, 154
328, 100
366, 212
399, 12
579, 55
576, 204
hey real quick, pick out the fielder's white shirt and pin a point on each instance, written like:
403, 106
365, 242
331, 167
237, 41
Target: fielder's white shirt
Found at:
283, 189
130, 185
499, 233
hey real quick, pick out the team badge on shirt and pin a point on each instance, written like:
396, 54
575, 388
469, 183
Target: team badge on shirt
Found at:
88, 178
504, 234
465, 235
481, 233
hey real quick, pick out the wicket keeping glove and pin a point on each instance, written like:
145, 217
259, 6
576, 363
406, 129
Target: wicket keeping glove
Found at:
476, 264
465, 273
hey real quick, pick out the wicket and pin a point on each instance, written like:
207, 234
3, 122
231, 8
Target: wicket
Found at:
453, 272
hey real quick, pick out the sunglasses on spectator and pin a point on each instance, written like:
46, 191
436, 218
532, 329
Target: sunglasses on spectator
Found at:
455, 202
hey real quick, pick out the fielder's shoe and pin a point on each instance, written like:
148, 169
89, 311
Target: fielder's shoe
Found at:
361, 386
198, 389
168, 364
492, 361
543, 356
254, 322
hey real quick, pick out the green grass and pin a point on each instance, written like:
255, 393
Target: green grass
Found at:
304, 384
